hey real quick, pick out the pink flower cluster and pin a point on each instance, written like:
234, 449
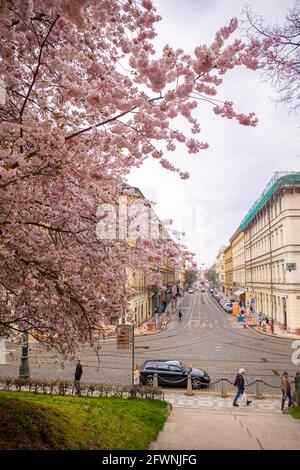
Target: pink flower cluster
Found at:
87, 100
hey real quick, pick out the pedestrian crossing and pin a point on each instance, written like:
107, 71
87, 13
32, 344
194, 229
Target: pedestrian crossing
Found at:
197, 323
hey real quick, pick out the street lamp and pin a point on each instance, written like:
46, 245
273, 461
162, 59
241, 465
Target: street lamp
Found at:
24, 366
132, 358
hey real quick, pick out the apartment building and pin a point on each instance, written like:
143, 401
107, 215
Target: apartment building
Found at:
238, 266
228, 271
220, 270
272, 252
148, 298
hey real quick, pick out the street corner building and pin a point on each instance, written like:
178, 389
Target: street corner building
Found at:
262, 261
149, 298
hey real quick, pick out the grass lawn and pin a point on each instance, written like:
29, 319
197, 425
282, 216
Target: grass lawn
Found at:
35, 421
295, 412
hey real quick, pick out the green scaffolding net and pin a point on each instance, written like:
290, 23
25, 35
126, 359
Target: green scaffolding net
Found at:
279, 179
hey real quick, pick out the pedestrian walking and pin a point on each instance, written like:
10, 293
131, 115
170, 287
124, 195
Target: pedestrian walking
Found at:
260, 319
286, 390
78, 374
180, 314
240, 385
296, 383
136, 378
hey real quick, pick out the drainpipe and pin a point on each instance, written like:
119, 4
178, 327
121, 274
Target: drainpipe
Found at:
251, 266
271, 261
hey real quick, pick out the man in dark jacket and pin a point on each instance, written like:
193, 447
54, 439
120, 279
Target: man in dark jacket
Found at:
240, 385
78, 374
286, 389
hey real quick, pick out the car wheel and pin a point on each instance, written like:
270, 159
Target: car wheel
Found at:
149, 380
196, 383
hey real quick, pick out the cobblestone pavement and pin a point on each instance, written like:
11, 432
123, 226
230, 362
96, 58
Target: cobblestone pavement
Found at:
205, 338
211, 402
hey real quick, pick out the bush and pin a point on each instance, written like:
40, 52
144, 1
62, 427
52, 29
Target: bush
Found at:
66, 387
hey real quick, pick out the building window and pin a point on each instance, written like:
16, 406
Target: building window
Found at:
283, 273
281, 236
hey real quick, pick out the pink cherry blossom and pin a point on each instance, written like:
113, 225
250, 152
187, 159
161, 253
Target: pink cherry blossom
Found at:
88, 99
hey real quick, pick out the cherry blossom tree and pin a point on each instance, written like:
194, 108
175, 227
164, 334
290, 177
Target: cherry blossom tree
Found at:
87, 98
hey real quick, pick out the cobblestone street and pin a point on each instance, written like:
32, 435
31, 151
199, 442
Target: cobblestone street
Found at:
205, 338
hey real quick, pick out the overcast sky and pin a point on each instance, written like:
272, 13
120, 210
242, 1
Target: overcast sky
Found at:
227, 178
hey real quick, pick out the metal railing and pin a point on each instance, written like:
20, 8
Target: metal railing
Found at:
259, 388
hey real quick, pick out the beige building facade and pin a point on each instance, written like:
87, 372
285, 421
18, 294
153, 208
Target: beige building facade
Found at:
272, 255
228, 271
148, 298
237, 243
220, 270
262, 263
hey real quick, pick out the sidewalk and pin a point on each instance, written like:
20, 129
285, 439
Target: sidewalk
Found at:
165, 318
278, 333
213, 424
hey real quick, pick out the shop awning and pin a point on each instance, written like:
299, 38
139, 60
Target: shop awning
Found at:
239, 292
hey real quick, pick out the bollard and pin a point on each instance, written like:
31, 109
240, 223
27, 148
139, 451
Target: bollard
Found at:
155, 381
259, 393
189, 388
224, 393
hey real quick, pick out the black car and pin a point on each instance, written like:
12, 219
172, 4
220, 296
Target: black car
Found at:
172, 374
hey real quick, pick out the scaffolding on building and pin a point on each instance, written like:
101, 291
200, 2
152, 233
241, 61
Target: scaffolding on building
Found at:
287, 179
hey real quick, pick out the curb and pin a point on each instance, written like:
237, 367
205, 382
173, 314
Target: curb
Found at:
218, 394
155, 332
294, 337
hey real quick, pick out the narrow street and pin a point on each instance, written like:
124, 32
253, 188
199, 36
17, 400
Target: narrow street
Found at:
204, 338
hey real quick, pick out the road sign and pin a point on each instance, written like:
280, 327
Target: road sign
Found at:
123, 336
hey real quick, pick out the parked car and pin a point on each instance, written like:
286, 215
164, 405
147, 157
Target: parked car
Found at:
228, 308
172, 373
191, 290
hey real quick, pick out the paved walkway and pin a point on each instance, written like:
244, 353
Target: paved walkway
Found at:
212, 402
211, 423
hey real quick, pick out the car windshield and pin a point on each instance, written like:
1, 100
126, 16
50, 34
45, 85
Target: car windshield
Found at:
185, 367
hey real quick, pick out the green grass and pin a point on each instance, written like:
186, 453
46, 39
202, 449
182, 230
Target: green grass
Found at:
34, 421
295, 412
